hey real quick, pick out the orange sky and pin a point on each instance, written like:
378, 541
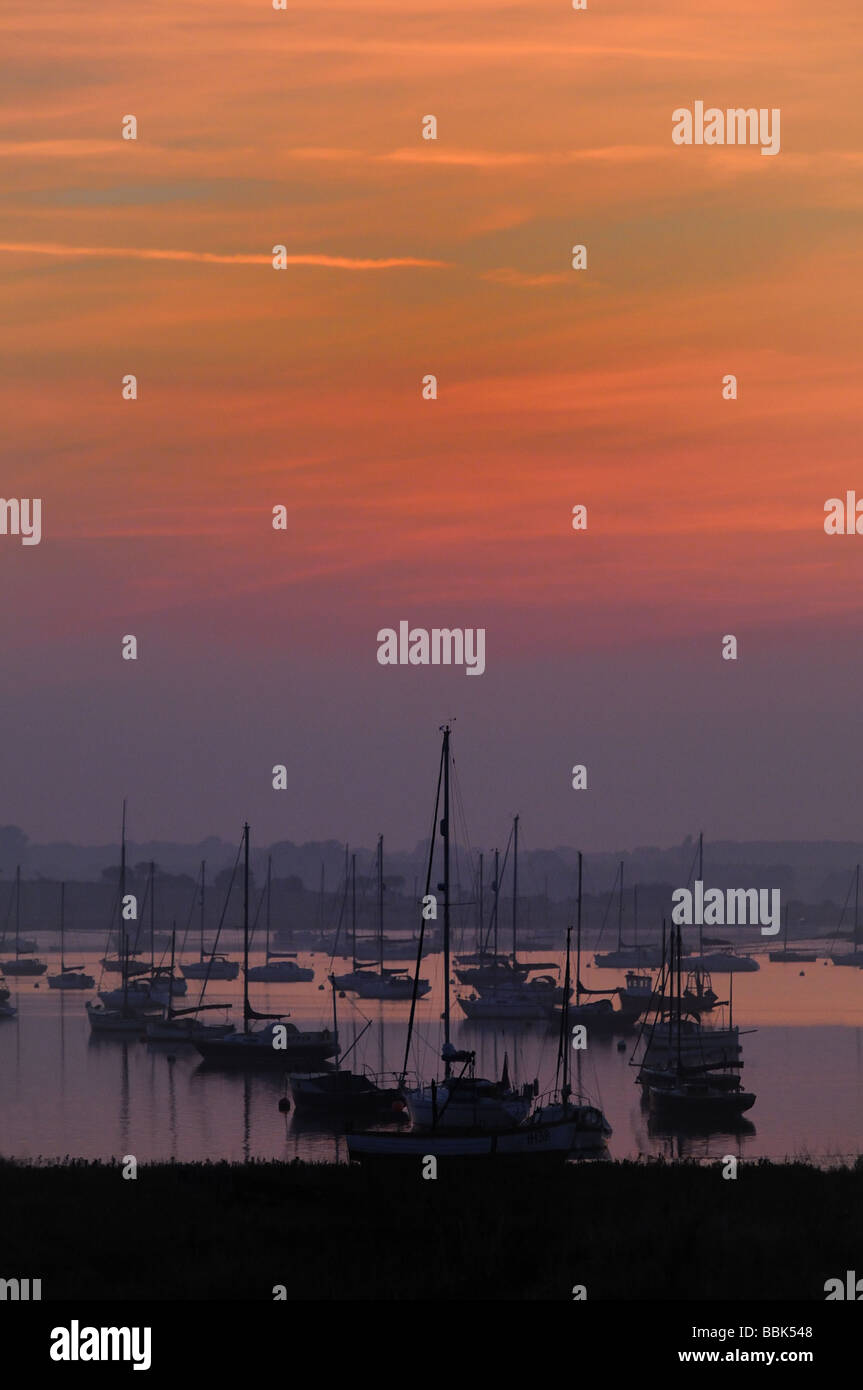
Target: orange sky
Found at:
302, 387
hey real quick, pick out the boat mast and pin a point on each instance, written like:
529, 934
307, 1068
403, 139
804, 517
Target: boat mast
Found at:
246, 1008
514, 890
269, 878
563, 1047
578, 940
635, 921
620, 911
124, 942
701, 877
444, 830
495, 886
203, 871
479, 933
381, 906
171, 976
786, 929
420, 938
856, 901
62, 924
679, 996
152, 917
354, 907
17, 910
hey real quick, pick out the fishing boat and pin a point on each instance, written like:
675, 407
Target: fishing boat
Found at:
855, 955
280, 967
364, 980
277, 1045
210, 966
791, 956
70, 976
462, 1117
22, 964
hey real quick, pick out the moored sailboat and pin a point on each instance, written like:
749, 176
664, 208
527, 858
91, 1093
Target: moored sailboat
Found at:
461, 1116
70, 976
277, 1045
280, 967
22, 964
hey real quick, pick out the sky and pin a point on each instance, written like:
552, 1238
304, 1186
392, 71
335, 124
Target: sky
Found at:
303, 388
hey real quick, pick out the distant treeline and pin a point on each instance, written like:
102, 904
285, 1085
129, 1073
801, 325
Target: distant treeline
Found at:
814, 878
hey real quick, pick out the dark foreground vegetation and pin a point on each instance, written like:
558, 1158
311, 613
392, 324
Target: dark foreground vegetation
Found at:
624, 1230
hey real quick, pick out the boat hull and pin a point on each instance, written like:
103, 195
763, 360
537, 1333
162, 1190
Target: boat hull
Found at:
23, 967
257, 1050
537, 1143
281, 974
343, 1092
215, 970
71, 980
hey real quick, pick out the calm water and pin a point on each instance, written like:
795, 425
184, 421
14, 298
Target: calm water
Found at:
63, 1091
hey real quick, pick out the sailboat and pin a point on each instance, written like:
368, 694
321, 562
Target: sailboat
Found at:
278, 1044
598, 1015
677, 1035
280, 966
791, 956
854, 956
71, 976
26, 944
591, 1127
21, 965
720, 962
690, 1091
626, 957
122, 1017
462, 1116
212, 966
487, 969
181, 1025
518, 999
383, 983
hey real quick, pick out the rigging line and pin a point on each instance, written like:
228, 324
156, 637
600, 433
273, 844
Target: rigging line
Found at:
194, 903
139, 922
844, 905
341, 912
608, 904
412, 1015
689, 876
500, 879
206, 979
